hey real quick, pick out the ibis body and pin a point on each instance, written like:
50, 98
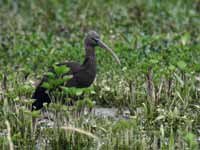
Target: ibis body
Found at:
83, 74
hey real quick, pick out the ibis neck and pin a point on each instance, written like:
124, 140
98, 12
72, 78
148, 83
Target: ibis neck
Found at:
90, 51
90, 58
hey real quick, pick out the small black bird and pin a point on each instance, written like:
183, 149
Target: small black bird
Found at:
83, 75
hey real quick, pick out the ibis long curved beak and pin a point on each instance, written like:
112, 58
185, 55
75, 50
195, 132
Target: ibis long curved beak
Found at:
104, 46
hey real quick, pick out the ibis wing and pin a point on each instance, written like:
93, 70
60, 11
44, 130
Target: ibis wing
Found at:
73, 66
40, 93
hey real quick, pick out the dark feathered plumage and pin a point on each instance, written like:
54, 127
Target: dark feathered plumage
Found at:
83, 74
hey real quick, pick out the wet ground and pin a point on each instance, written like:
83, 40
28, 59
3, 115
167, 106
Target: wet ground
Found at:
110, 112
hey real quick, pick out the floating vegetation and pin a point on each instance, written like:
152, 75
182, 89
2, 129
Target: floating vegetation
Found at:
153, 97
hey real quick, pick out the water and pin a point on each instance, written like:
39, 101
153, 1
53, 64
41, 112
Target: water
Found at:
110, 112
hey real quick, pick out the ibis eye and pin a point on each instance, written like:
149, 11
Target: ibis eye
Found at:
96, 40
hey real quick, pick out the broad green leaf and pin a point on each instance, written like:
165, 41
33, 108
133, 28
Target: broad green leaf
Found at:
191, 140
58, 82
154, 61
46, 85
61, 70
172, 67
181, 64
50, 75
67, 77
79, 92
185, 38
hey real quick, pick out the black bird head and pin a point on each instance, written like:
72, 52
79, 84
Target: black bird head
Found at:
92, 39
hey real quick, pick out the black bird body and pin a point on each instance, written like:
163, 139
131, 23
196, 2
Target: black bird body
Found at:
83, 74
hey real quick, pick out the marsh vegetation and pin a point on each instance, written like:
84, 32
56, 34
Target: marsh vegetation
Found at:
158, 43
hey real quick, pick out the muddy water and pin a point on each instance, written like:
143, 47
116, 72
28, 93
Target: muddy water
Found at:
110, 112
105, 112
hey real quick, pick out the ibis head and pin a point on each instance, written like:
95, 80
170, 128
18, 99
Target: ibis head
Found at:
92, 39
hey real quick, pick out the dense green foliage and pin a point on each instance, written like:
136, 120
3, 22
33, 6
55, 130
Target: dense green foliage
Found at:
158, 43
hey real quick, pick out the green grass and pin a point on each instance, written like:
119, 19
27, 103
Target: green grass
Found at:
158, 43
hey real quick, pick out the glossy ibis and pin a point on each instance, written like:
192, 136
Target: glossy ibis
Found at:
82, 74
